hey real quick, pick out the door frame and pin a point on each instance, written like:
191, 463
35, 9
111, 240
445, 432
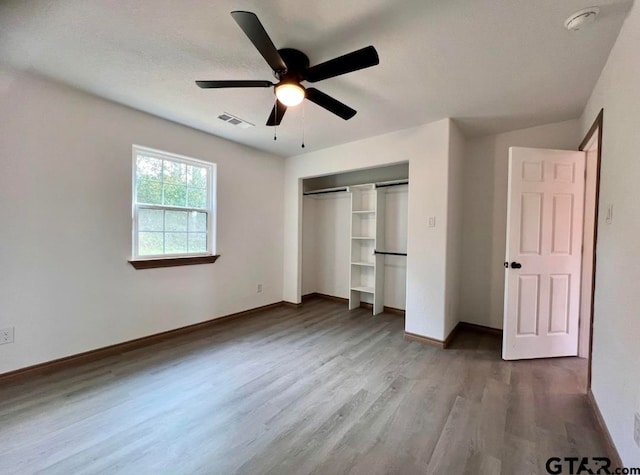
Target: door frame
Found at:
596, 127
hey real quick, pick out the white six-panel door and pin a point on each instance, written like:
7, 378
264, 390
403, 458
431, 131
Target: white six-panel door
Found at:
544, 238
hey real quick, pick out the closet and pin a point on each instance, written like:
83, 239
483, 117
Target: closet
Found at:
354, 237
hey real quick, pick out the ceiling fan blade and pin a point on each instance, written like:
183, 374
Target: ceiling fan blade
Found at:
329, 103
221, 84
276, 114
360, 59
254, 30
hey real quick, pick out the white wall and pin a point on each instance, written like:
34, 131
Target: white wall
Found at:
485, 214
65, 209
309, 259
326, 264
326, 245
395, 239
427, 150
616, 352
454, 228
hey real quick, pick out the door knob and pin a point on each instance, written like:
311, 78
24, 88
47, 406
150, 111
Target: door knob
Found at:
516, 265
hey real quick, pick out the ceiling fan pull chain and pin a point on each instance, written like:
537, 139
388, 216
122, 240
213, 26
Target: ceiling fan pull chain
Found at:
303, 124
275, 127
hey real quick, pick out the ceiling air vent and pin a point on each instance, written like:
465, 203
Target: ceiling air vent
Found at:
233, 120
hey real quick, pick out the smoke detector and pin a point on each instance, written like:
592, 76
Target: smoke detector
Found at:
581, 18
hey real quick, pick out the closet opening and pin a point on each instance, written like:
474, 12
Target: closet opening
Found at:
354, 238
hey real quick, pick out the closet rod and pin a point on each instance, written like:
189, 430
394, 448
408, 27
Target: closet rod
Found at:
322, 192
384, 185
390, 253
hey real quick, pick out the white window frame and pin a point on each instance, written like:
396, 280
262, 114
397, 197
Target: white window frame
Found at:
210, 209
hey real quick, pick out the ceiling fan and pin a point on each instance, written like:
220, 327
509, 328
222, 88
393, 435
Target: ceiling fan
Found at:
291, 67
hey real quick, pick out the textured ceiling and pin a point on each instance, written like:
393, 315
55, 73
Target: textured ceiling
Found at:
493, 65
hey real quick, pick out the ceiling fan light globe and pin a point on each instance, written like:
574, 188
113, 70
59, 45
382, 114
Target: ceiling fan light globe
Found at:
290, 94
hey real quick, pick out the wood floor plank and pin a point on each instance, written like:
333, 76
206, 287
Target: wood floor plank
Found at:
316, 389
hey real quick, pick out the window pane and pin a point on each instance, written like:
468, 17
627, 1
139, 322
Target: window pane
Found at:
174, 172
175, 243
172, 202
149, 168
175, 221
196, 198
196, 177
175, 195
150, 220
197, 242
197, 222
149, 192
150, 244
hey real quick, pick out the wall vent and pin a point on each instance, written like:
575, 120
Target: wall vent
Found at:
233, 120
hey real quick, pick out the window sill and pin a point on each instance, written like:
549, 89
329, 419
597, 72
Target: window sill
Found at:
172, 261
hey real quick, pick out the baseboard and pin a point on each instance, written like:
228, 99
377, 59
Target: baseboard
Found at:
99, 353
395, 311
611, 448
425, 340
392, 310
317, 295
480, 328
452, 334
446, 343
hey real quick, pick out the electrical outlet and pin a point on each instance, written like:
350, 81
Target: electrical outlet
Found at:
432, 221
6, 335
636, 429
259, 288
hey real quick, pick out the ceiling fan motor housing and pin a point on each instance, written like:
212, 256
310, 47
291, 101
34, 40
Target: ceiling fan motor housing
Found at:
297, 63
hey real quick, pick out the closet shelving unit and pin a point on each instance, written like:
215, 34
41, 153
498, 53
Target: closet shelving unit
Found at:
367, 241
367, 233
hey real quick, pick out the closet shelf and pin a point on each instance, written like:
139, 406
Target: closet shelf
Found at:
365, 264
367, 232
368, 290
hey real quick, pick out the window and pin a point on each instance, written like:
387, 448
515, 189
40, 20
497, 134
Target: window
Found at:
173, 205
